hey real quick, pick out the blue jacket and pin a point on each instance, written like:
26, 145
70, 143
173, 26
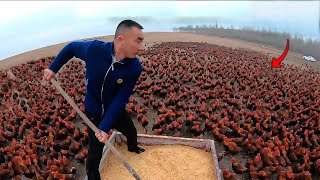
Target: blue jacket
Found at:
109, 83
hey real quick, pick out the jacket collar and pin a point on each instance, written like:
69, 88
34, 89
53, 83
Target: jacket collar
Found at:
125, 60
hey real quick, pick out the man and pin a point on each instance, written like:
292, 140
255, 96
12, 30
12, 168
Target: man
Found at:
112, 70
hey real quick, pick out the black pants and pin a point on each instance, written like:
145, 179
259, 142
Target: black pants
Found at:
124, 125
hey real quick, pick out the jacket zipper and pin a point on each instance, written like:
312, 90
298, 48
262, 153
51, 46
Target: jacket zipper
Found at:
111, 67
87, 81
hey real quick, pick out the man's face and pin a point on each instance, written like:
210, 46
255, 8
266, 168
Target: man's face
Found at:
133, 41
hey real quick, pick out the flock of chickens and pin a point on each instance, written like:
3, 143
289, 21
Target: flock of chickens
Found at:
38, 137
271, 115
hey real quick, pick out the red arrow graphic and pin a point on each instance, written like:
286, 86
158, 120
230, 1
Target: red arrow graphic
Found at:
276, 62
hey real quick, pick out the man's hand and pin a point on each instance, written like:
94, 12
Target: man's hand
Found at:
48, 74
102, 136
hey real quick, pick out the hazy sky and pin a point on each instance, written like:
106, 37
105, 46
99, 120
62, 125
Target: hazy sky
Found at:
15, 10
41, 23
81, 9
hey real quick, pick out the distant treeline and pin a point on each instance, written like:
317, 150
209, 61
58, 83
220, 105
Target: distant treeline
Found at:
297, 43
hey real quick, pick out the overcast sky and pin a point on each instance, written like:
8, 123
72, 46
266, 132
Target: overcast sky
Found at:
41, 23
15, 10
81, 9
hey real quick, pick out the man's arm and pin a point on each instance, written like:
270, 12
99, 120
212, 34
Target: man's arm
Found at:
78, 49
119, 103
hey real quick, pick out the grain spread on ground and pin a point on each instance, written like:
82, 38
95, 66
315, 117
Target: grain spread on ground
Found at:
174, 162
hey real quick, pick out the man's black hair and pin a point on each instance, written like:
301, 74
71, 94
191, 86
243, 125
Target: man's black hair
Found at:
126, 24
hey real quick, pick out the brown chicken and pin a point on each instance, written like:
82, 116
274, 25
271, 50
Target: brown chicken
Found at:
53, 153
70, 126
18, 164
65, 153
160, 130
265, 173
76, 147
196, 128
304, 175
258, 162
61, 133
277, 155
259, 142
282, 175
265, 154
290, 174
253, 173
249, 146
231, 146
82, 155
60, 176
292, 156
144, 121
66, 144
73, 113
76, 134
284, 154
217, 134
4, 172
314, 139
227, 175
64, 165
237, 167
